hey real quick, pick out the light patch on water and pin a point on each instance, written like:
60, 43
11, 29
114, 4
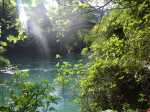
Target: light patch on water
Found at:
25, 70
9, 72
42, 69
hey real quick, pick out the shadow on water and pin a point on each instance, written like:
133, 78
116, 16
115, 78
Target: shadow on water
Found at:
41, 69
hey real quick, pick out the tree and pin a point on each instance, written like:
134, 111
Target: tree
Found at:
118, 61
26, 96
8, 18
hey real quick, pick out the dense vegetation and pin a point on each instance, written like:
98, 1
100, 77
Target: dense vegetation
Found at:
116, 73
26, 96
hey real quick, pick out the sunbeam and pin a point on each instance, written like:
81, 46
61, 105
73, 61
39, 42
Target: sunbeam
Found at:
22, 14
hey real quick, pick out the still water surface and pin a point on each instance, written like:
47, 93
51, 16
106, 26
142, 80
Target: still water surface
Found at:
41, 69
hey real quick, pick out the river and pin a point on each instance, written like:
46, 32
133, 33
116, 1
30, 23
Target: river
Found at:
40, 69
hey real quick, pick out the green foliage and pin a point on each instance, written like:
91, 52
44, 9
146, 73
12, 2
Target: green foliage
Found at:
9, 28
14, 39
84, 51
26, 96
117, 71
4, 62
8, 17
9, 23
68, 72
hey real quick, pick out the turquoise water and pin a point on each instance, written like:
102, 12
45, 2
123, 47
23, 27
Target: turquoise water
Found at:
41, 69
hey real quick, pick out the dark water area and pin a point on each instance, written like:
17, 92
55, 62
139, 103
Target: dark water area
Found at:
41, 68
